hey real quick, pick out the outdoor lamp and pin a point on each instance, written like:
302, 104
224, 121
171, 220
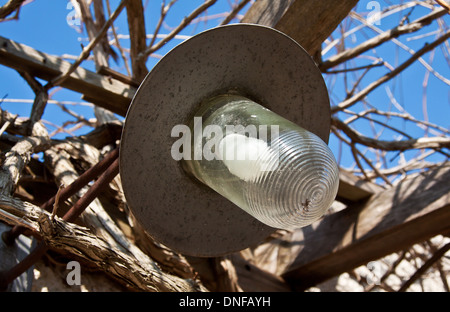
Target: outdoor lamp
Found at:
225, 142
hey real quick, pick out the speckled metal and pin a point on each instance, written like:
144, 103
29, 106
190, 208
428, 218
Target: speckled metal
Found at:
259, 62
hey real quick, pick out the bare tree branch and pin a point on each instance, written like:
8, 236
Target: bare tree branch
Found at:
87, 50
234, 12
380, 39
436, 256
80, 241
420, 143
10, 7
136, 26
363, 93
18, 157
444, 4
41, 99
177, 29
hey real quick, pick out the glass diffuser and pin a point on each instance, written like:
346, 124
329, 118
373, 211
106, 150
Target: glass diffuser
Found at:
281, 174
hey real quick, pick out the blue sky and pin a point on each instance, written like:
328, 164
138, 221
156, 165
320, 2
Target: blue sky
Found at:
43, 25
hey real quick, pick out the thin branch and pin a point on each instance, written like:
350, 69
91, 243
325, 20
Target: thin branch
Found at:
234, 12
338, 71
380, 39
41, 99
388, 272
117, 42
177, 29
100, 54
436, 256
10, 7
164, 10
358, 163
387, 12
444, 4
404, 47
377, 172
87, 50
363, 115
414, 164
402, 145
362, 94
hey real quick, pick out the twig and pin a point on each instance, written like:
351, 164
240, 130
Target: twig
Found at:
338, 71
78, 118
234, 12
9, 7
405, 47
363, 115
420, 143
362, 94
388, 11
41, 99
164, 10
87, 50
117, 42
444, 4
19, 156
408, 117
358, 163
388, 272
436, 256
104, 47
380, 39
56, 204
378, 173
177, 29
414, 164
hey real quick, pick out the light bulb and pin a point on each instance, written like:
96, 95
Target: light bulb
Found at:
281, 174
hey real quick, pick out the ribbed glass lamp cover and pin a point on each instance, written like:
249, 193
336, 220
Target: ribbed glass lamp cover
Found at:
281, 174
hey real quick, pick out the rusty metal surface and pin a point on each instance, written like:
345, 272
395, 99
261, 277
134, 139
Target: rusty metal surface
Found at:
261, 63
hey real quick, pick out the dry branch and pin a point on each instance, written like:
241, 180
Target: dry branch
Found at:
136, 26
79, 241
87, 50
410, 212
17, 158
99, 220
164, 10
103, 91
363, 93
380, 39
444, 4
10, 7
100, 54
177, 29
402, 145
225, 273
435, 257
234, 12
367, 228
117, 43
